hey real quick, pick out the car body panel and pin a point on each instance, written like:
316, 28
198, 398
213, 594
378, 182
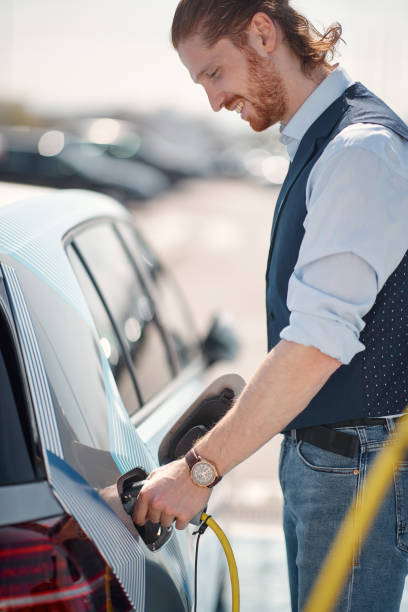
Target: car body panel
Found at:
76, 496
14, 507
83, 461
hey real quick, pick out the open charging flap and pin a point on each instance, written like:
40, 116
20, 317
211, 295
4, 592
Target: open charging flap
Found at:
204, 413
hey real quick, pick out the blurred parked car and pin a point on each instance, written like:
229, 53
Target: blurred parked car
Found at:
59, 159
98, 359
139, 143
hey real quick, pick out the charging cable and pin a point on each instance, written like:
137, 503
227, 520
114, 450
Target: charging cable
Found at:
203, 520
208, 521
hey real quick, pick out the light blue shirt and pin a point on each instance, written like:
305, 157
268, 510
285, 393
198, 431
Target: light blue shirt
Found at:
356, 227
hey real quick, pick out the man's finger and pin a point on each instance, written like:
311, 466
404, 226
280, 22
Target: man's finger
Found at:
153, 517
154, 512
139, 515
181, 524
166, 520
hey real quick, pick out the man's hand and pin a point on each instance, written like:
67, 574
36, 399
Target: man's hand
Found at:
170, 495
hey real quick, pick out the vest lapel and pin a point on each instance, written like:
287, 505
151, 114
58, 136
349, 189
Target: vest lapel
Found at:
313, 141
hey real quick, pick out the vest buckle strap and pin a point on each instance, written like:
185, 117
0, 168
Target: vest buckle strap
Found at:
328, 439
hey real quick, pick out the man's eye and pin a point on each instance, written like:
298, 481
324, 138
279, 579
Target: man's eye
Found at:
213, 74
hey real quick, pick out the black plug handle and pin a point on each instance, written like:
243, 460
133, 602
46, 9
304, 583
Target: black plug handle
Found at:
130, 494
129, 499
150, 532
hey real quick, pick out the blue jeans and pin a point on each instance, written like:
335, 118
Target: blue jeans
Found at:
318, 487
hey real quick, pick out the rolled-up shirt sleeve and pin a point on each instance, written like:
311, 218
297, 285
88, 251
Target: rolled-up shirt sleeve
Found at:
355, 237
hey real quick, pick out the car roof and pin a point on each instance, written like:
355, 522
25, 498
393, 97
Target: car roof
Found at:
42, 212
12, 192
32, 230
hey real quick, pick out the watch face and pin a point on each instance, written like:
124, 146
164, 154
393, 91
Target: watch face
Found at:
203, 473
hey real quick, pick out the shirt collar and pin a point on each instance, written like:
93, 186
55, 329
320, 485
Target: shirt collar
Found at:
333, 86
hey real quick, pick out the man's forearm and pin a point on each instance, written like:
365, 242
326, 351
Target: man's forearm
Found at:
283, 385
280, 389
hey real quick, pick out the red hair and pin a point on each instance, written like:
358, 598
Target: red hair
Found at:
216, 19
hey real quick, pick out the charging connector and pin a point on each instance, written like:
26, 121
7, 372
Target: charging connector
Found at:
153, 535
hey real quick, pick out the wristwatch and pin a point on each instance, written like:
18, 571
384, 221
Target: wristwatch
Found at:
203, 473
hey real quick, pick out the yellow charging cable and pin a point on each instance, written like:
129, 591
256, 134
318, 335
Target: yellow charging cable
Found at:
232, 566
357, 522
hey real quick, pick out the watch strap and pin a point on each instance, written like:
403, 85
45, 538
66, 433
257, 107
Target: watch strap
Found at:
192, 458
216, 481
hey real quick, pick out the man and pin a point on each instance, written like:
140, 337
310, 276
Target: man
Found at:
335, 378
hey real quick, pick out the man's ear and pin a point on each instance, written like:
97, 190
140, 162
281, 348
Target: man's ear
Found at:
262, 34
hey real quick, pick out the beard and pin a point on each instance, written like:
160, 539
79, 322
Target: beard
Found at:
266, 91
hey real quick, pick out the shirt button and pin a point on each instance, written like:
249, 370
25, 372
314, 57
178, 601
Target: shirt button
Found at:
271, 315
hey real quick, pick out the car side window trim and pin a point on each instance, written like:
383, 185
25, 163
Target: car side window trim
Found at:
69, 239
117, 331
170, 355
151, 288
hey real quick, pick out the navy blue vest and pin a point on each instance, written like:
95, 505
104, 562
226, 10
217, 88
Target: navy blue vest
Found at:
375, 383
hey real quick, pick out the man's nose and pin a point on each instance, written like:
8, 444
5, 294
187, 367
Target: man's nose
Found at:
216, 99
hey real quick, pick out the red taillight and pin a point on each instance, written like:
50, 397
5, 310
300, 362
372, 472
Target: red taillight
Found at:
52, 567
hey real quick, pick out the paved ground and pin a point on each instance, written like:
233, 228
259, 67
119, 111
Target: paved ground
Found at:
214, 235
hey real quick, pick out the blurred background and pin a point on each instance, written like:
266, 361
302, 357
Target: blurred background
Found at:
92, 95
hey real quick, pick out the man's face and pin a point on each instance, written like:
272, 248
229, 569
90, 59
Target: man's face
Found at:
238, 79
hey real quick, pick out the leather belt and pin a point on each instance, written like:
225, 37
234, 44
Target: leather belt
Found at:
327, 438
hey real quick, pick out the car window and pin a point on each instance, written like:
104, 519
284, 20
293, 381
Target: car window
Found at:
52, 167
15, 461
171, 306
18, 161
109, 340
131, 307
31, 164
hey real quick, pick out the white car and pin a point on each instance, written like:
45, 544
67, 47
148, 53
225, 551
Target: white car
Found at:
98, 360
